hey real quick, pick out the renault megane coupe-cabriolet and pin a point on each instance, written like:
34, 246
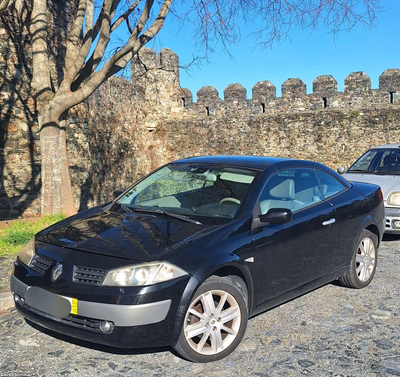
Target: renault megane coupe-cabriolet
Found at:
186, 255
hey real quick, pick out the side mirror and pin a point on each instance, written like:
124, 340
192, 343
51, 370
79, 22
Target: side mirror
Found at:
341, 170
117, 193
277, 216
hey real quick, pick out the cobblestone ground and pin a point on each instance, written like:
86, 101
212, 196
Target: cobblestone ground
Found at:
332, 331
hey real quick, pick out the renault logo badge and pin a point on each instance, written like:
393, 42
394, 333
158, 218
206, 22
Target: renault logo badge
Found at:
57, 271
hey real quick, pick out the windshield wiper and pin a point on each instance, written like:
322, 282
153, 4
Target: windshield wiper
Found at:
124, 207
165, 213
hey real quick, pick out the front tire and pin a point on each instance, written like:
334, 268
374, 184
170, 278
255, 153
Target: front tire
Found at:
363, 263
215, 321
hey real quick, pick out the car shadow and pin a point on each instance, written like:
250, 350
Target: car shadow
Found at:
96, 346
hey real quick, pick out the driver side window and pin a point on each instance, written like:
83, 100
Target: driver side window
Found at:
294, 189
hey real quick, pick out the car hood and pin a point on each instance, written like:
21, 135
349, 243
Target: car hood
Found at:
388, 183
134, 236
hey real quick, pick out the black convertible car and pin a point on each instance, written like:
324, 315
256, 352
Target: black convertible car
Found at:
186, 255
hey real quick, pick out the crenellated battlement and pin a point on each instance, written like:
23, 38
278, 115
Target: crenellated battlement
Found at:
357, 92
163, 73
155, 77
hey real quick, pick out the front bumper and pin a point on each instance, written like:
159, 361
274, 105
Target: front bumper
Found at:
148, 325
392, 225
61, 307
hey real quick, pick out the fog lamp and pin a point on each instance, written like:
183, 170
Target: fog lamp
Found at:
105, 326
396, 224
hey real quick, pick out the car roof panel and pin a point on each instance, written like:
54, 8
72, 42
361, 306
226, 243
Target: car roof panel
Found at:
251, 162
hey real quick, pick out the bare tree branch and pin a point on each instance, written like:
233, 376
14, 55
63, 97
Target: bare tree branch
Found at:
125, 16
74, 36
102, 28
216, 21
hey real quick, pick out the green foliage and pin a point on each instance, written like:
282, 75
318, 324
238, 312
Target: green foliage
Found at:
17, 235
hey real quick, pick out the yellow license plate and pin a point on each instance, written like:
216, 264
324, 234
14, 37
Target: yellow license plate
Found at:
74, 306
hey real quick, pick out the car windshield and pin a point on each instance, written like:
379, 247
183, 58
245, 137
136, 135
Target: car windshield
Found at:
378, 161
197, 192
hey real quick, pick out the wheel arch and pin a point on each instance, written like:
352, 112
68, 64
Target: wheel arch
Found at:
233, 272
374, 229
226, 270
369, 223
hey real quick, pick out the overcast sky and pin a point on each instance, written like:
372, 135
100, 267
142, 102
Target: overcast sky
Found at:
306, 55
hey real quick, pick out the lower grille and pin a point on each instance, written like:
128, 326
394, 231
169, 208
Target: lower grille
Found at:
84, 323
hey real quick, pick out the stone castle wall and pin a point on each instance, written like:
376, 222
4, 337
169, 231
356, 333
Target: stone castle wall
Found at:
128, 128
326, 125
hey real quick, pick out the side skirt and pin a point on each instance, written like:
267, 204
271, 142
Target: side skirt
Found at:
300, 291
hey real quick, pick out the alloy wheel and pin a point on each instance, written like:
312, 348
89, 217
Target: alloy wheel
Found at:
365, 259
212, 322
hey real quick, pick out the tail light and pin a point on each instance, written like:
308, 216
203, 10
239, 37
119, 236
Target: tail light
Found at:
380, 194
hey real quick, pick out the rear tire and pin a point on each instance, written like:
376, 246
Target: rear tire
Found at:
215, 321
363, 263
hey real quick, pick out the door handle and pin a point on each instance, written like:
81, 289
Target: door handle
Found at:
329, 222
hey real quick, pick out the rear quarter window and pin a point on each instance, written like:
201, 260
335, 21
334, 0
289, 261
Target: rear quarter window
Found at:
330, 185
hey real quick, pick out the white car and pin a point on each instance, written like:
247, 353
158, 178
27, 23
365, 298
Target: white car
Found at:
381, 165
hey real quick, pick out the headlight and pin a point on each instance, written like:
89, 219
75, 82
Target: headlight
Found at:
394, 199
28, 252
143, 274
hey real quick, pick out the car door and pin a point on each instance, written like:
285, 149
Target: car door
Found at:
289, 255
348, 209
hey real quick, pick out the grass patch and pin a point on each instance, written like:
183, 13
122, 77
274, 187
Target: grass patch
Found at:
17, 235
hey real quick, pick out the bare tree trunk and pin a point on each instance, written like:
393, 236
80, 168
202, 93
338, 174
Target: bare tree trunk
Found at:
56, 194
56, 183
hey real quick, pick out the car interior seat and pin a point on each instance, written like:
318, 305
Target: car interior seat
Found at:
280, 196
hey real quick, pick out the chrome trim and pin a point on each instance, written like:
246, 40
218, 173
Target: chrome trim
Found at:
57, 271
389, 225
121, 315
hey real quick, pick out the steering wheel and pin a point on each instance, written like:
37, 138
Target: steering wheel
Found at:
228, 199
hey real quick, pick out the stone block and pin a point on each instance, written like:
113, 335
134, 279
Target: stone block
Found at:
357, 82
207, 95
325, 86
235, 92
23, 126
169, 60
186, 97
293, 88
9, 127
145, 60
389, 80
264, 92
